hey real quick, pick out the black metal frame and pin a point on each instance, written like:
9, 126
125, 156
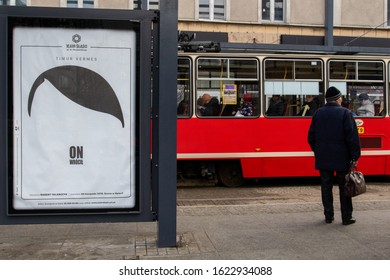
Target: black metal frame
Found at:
146, 20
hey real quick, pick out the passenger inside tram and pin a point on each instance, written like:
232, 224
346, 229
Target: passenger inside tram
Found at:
183, 108
247, 107
199, 106
183, 100
366, 108
310, 106
276, 106
209, 106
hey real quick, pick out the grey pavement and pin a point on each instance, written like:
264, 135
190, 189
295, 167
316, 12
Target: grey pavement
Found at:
272, 225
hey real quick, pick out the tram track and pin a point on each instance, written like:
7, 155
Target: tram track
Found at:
258, 200
272, 193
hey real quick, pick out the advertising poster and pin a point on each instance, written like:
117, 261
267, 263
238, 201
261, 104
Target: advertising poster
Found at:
74, 118
229, 96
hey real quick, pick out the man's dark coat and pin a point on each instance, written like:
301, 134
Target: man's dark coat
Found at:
333, 138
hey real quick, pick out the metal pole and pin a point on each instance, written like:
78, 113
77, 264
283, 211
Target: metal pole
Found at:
166, 121
143, 4
329, 8
4, 119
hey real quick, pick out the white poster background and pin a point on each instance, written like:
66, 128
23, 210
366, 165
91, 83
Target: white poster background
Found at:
68, 156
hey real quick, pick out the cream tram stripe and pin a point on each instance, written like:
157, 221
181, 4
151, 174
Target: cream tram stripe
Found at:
267, 155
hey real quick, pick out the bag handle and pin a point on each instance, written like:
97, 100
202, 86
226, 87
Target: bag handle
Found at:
352, 165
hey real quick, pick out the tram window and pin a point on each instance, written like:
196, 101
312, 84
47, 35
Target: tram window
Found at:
276, 69
212, 68
243, 69
363, 92
293, 87
184, 87
293, 105
227, 87
308, 70
342, 70
370, 71
279, 69
365, 99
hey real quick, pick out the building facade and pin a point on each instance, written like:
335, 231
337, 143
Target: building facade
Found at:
258, 21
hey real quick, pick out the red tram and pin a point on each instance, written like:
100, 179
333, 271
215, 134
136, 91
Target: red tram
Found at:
231, 145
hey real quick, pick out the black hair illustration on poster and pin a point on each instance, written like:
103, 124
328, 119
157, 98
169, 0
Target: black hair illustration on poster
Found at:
85, 87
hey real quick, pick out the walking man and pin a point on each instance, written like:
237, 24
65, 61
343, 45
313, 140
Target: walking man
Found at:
334, 139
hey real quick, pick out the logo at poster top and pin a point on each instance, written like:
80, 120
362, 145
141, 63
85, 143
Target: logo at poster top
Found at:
76, 39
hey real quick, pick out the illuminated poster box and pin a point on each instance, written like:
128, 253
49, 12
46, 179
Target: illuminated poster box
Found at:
74, 118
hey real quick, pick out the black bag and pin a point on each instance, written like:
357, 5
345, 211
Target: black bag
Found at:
354, 182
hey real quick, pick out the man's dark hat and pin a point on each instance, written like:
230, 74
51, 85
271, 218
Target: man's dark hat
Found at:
332, 94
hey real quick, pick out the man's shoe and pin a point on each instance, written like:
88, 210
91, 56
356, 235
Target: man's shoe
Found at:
349, 222
329, 220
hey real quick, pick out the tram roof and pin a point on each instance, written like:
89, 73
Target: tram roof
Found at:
277, 48
200, 46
